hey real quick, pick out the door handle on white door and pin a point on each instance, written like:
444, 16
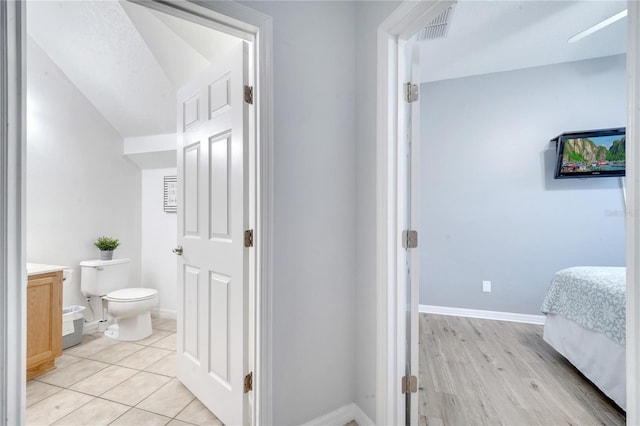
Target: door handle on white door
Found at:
178, 250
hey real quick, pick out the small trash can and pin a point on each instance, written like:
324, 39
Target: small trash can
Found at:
72, 325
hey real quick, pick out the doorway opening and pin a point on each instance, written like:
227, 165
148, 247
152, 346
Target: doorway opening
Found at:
238, 21
400, 26
473, 224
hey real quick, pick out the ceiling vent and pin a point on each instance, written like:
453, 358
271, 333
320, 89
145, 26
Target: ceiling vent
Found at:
437, 28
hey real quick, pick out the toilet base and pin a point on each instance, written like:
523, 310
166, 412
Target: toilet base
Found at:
130, 329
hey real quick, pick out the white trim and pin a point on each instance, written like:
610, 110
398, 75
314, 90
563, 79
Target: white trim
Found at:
403, 22
477, 313
361, 417
265, 225
12, 212
227, 18
385, 261
342, 416
633, 217
90, 327
164, 313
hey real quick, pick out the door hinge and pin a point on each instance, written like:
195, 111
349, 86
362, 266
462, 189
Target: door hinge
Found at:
410, 238
248, 238
411, 92
248, 94
248, 382
409, 384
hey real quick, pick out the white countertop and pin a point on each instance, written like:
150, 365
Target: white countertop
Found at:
39, 268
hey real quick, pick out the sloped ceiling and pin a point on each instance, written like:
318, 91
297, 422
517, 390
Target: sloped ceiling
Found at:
493, 36
127, 60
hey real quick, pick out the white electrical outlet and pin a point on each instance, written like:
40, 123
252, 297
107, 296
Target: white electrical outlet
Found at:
486, 286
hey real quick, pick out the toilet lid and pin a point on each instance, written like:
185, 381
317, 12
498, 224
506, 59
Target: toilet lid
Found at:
132, 294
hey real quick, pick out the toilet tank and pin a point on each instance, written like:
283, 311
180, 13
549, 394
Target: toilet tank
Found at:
100, 277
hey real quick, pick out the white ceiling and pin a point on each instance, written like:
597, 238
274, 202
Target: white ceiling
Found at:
129, 61
126, 59
493, 36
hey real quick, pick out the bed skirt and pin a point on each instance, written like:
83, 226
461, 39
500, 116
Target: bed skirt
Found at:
595, 355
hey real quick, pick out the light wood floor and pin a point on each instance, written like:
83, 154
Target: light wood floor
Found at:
484, 372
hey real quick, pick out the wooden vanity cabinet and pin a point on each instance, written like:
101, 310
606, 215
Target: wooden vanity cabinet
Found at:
44, 322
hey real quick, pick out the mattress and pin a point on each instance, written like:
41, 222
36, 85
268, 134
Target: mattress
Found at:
586, 323
595, 355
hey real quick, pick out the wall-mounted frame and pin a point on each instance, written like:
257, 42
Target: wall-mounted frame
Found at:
170, 194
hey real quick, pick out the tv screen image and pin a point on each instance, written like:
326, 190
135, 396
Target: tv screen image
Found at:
594, 153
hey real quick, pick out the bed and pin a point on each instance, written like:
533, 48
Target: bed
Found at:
586, 315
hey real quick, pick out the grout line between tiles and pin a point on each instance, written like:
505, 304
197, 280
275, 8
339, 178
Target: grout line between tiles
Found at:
71, 412
170, 331
116, 419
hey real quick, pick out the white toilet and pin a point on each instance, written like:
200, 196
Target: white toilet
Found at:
130, 307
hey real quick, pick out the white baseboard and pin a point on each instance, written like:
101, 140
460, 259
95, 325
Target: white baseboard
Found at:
476, 313
361, 418
342, 416
164, 313
95, 327
90, 327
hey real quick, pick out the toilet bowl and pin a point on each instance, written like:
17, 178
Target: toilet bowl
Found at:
130, 308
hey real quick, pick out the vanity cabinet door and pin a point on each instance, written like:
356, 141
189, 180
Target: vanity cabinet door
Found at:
44, 322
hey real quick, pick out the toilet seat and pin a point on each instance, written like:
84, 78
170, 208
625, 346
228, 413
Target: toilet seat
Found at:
131, 294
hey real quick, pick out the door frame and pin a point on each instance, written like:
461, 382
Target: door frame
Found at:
632, 216
402, 24
13, 274
229, 17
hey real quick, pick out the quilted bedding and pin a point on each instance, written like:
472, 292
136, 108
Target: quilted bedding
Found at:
592, 296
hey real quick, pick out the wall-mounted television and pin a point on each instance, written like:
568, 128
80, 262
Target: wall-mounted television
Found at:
594, 153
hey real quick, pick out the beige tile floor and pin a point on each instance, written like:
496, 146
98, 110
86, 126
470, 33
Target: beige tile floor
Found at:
106, 382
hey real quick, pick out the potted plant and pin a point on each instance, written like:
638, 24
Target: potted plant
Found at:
106, 245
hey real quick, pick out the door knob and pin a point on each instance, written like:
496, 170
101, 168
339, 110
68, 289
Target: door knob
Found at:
178, 250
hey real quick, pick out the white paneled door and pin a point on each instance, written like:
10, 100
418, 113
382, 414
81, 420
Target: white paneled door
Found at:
213, 135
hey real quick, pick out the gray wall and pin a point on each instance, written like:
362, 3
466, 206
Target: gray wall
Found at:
490, 208
314, 208
325, 160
